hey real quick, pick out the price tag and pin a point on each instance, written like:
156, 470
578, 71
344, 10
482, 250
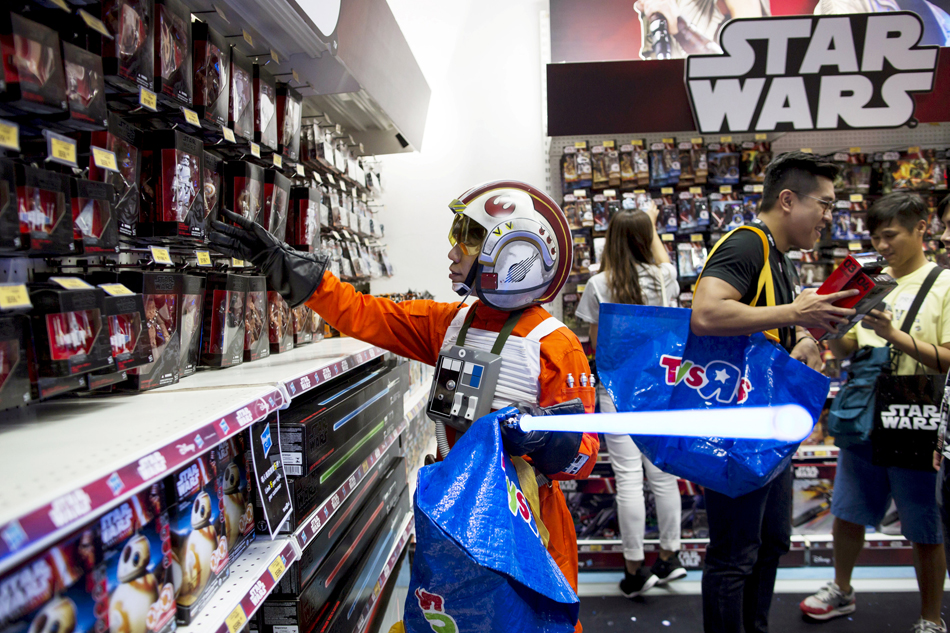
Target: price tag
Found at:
761, 137
318, 178
277, 568
228, 134
669, 140
255, 150
806, 150
725, 139
580, 144
94, 23
696, 190
637, 142
204, 258
857, 197
191, 116
115, 290
247, 37
666, 191
104, 159
273, 55
696, 237
300, 171
147, 99
293, 71
237, 263
581, 288
364, 197
220, 13
14, 296
914, 149
667, 237
725, 189
854, 150
62, 5
236, 621
9, 135
343, 186
756, 188
579, 240
854, 246
161, 256
60, 149
278, 161
331, 179
696, 141
636, 191
71, 283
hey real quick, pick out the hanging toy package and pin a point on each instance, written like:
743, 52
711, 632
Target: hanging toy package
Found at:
480, 564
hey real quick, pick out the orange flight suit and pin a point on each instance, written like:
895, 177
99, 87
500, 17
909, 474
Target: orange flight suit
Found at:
416, 329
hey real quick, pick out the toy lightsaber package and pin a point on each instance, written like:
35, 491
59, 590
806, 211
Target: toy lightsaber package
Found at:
862, 272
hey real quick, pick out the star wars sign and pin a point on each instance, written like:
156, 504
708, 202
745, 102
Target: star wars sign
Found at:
812, 73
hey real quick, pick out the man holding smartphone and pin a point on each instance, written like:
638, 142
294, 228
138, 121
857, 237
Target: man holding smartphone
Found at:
862, 490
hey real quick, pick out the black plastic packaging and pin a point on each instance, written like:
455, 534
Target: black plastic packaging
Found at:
212, 74
95, 227
33, 67
265, 108
128, 60
85, 89
173, 53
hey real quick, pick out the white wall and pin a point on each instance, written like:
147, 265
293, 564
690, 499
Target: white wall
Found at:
482, 61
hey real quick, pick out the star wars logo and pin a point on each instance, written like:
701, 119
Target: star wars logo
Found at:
718, 379
188, 481
911, 416
25, 590
117, 525
812, 73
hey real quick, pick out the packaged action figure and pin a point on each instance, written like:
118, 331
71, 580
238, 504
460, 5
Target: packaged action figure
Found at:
289, 112
691, 259
256, 337
584, 168
222, 340
212, 75
276, 202
854, 171
613, 164
725, 212
722, 160
841, 221
241, 104
11, 241
599, 209
15, 339
192, 304
173, 72
598, 159
265, 108
244, 188
44, 212
915, 169
172, 185
212, 189
124, 140
303, 219
32, 67
128, 59
85, 89
570, 211
686, 212
634, 165
666, 221
279, 326
700, 207
303, 325
236, 471
752, 195
569, 169
95, 228
161, 294
756, 156
858, 221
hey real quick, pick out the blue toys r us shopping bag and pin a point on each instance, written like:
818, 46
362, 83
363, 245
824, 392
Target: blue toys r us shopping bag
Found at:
648, 360
479, 563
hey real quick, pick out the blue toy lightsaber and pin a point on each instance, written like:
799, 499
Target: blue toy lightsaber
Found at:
788, 423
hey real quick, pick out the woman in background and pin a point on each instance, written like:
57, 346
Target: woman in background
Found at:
636, 269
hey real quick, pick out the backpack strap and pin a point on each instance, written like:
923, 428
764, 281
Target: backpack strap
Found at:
765, 281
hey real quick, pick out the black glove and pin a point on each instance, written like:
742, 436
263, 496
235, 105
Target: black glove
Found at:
550, 452
295, 275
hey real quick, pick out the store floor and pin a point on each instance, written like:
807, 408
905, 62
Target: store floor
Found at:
887, 601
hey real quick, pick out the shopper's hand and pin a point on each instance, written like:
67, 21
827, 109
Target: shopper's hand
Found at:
668, 8
938, 459
813, 310
652, 211
808, 352
881, 323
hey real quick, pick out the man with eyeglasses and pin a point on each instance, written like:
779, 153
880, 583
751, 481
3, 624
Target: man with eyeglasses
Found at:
748, 534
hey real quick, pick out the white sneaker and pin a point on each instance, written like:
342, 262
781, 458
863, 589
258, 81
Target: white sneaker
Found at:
830, 602
926, 626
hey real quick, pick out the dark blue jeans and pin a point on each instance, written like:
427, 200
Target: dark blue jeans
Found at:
747, 536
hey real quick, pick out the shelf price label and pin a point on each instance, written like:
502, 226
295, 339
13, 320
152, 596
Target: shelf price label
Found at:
255, 150
115, 290
62, 5
237, 263
247, 37
725, 189
191, 116
228, 134
104, 159
293, 71
14, 296
331, 179
94, 23
854, 246
70, 283
147, 99
317, 178
277, 568
278, 161
761, 137
273, 55
236, 620
204, 258
300, 171
807, 150
757, 189
666, 191
666, 237
60, 149
161, 256
696, 190
9, 135
857, 197
696, 237
725, 139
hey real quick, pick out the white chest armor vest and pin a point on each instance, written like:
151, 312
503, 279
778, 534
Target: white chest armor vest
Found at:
520, 358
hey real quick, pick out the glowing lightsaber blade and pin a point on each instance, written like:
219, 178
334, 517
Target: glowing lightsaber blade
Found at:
789, 423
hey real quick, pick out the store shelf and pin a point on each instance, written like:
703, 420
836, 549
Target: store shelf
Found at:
405, 535
252, 577
72, 459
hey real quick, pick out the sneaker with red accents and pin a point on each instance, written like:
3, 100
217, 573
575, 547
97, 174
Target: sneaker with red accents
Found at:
830, 602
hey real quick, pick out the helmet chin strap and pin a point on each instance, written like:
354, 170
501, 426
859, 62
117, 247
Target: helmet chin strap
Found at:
467, 287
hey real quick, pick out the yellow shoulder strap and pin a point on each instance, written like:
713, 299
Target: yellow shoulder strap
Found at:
765, 275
